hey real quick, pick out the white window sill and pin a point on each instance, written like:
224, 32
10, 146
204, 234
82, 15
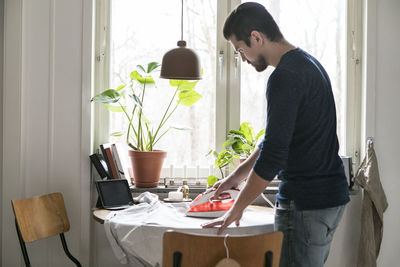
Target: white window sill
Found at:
193, 189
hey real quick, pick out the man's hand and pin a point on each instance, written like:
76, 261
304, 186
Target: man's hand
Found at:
224, 185
229, 217
253, 188
238, 175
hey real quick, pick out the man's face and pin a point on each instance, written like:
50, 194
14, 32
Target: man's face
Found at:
251, 54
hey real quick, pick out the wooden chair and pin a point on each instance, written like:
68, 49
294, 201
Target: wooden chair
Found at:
40, 217
184, 250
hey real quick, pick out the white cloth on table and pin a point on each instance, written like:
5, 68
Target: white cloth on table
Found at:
135, 234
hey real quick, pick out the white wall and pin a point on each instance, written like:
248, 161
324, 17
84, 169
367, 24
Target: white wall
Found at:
387, 122
46, 120
1, 112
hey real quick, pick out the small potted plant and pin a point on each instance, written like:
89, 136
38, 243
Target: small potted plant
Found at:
239, 144
223, 160
141, 135
243, 141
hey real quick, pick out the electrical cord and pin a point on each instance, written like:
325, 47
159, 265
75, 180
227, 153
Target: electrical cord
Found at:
268, 201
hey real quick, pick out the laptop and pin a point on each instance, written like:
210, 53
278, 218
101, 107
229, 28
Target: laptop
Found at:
114, 194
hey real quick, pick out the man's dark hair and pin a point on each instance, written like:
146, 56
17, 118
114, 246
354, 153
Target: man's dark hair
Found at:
249, 17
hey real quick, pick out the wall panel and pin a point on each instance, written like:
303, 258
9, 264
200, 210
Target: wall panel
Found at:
387, 122
1, 116
46, 134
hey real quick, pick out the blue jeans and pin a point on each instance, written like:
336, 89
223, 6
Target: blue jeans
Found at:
307, 234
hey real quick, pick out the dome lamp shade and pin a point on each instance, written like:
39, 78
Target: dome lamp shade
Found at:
181, 63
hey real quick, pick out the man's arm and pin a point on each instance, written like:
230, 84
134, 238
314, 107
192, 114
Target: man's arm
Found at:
285, 95
243, 170
237, 176
254, 187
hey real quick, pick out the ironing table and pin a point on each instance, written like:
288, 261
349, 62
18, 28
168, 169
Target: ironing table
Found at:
135, 234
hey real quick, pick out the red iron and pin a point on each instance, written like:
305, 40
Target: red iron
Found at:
202, 206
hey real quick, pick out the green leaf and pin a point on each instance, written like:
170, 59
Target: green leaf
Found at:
117, 134
108, 96
152, 66
211, 180
228, 143
248, 147
186, 85
188, 98
140, 67
237, 137
181, 128
175, 83
247, 131
215, 153
209, 152
241, 148
143, 80
137, 100
238, 148
119, 88
224, 158
135, 75
183, 85
114, 108
261, 133
235, 132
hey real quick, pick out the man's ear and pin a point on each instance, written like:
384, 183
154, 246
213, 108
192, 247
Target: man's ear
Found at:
257, 37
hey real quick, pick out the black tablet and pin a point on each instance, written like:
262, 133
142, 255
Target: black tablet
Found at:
114, 194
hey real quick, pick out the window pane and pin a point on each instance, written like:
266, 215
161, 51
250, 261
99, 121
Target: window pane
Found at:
317, 27
141, 32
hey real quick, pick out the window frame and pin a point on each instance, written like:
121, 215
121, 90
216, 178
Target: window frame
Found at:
228, 79
354, 79
101, 70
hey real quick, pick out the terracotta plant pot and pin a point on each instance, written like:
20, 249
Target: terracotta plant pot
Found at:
147, 166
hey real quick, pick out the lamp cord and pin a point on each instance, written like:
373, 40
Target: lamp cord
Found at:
182, 22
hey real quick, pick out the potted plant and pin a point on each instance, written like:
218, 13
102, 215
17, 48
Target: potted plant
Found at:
141, 134
222, 160
243, 141
239, 144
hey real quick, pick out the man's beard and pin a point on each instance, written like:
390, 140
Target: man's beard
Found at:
260, 64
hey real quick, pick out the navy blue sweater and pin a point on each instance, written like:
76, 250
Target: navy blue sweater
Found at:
300, 143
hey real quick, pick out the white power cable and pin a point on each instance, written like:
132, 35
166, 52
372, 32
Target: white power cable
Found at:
268, 201
226, 246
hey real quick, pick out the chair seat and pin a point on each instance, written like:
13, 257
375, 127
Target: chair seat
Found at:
205, 251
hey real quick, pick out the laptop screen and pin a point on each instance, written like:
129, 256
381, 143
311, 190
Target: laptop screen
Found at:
114, 193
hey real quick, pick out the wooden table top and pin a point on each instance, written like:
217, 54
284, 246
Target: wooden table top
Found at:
100, 214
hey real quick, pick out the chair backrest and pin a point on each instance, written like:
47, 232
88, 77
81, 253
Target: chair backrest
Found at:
41, 216
199, 250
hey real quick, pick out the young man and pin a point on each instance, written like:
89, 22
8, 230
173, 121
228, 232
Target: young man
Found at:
300, 143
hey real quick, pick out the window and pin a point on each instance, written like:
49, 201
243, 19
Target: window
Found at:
130, 33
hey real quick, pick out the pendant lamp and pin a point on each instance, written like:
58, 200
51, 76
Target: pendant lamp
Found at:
180, 63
